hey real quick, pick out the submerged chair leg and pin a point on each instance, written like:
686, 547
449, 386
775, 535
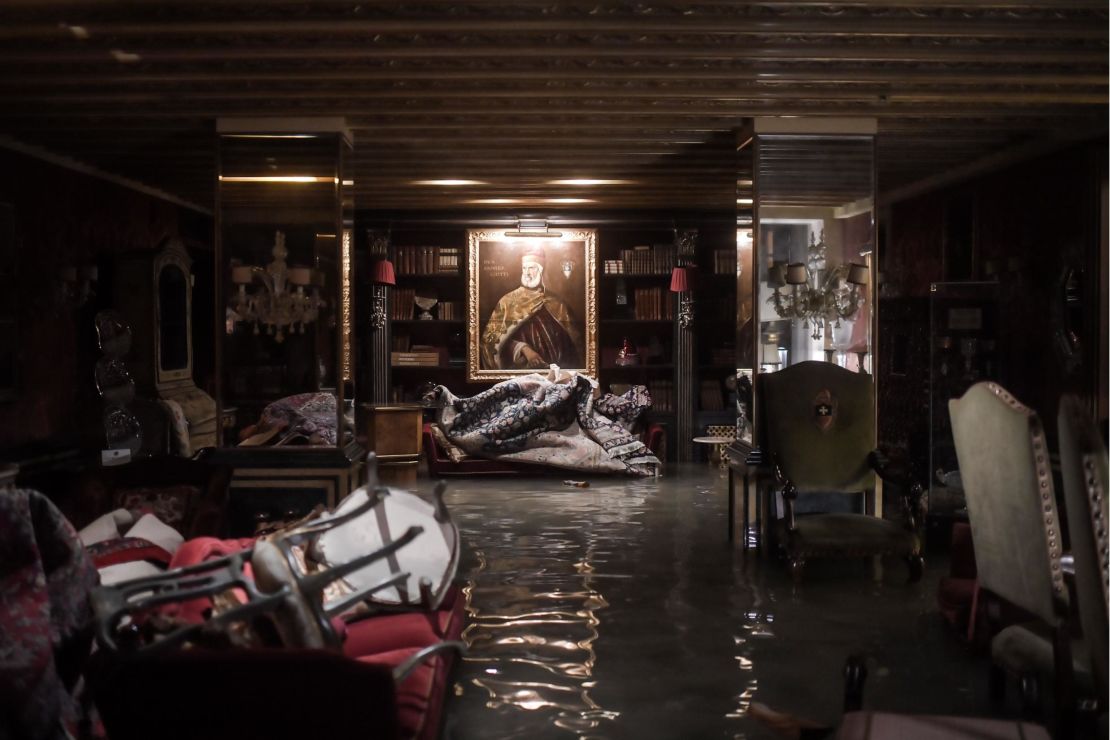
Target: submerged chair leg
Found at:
996, 684
916, 564
797, 568
1030, 696
855, 674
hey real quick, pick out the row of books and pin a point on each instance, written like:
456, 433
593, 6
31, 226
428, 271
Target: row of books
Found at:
724, 261
427, 260
402, 307
724, 355
652, 303
711, 396
642, 261
449, 310
662, 395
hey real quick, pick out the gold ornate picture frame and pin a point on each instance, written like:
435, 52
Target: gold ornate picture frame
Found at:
530, 302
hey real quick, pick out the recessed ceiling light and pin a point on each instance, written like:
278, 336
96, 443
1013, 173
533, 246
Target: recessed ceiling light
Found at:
494, 201
297, 179
588, 181
124, 57
448, 182
568, 200
348, 183
79, 32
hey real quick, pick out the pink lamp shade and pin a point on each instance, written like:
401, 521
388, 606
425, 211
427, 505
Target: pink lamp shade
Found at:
384, 274
681, 280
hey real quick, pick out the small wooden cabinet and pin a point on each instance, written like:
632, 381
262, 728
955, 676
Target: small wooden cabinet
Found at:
394, 433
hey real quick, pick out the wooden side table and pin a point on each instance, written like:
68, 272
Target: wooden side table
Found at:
749, 462
718, 447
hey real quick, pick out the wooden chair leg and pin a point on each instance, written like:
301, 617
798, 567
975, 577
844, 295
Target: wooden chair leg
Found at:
877, 568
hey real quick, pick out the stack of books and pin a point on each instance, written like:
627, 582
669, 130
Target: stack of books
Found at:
419, 355
613, 267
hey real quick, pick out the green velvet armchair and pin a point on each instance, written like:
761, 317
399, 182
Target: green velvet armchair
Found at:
818, 428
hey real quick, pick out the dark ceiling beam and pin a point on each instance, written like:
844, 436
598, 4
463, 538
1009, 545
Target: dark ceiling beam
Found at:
713, 115
996, 53
973, 25
161, 6
685, 73
738, 95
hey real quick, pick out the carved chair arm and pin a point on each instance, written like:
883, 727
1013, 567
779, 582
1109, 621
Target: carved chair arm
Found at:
893, 468
789, 494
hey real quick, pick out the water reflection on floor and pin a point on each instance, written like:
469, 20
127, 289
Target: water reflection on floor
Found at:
619, 611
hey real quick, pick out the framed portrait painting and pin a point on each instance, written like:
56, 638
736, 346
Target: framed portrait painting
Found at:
531, 302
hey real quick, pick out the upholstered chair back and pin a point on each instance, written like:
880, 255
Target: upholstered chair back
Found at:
1084, 467
818, 420
1007, 479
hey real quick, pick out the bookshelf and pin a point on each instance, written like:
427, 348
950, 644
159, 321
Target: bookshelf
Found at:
635, 305
427, 311
715, 329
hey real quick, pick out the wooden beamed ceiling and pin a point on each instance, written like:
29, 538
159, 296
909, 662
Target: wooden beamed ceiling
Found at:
518, 94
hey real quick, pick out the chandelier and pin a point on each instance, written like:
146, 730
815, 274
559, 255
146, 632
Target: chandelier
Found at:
817, 294
286, 298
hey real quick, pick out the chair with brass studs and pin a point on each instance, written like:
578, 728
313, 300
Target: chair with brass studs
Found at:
1016, 529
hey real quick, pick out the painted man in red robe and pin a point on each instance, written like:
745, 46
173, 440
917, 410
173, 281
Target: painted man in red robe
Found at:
531, 327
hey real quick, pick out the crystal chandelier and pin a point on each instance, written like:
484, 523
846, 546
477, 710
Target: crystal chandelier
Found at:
286, 298
817, 294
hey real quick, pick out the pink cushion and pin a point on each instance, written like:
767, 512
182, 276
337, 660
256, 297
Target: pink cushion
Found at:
385, 632
194, 552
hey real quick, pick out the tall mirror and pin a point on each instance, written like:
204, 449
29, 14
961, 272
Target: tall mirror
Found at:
814, 241
284, 266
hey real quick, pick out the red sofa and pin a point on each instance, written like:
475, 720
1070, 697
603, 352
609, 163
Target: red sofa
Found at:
440, 464
282, 692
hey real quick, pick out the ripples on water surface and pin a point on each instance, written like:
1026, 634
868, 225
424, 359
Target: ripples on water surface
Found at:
619, 611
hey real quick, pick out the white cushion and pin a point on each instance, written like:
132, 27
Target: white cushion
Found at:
112, 574
149, 527
105, 527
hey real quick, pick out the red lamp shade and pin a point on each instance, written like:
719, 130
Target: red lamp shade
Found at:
384, 274
682, 280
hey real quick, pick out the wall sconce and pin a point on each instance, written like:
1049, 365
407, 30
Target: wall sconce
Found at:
384, 275
281, 302
76, 284
682, 282
817, 295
